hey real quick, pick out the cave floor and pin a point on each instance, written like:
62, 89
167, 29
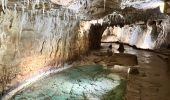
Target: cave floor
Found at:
154, 79
152, 82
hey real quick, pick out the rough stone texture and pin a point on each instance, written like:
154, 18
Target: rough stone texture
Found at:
167, 7
101, 57
153, 81
32, 41
154, 35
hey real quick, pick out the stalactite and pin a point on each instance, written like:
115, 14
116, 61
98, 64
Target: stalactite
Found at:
104, 4
43, 8
4, 4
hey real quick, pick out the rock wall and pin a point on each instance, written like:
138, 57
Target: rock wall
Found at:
153, 35
31, 41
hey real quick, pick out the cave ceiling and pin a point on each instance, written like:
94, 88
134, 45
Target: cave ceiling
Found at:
133, 10
96, 9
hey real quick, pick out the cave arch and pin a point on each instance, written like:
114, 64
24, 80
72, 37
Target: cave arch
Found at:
95, 35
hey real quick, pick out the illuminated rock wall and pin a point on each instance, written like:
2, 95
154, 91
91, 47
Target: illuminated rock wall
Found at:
151, 36
32, 41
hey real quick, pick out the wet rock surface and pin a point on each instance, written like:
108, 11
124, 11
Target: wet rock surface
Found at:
110, 59
80, 83
152, 83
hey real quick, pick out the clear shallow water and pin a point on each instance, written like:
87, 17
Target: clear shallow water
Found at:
77, 83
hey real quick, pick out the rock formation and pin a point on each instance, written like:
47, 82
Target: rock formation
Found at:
38, 34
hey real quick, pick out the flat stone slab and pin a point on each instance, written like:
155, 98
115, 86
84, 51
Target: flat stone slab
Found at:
116, 59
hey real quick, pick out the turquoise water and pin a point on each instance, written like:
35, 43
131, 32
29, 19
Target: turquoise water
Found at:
77, 83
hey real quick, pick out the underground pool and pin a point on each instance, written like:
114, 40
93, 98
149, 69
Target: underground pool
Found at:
88, 82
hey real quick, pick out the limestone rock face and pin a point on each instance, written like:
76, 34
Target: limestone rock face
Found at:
153, 35
33, 41
61, 2
99, 8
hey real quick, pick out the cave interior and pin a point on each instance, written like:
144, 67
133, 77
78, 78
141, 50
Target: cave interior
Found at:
84, 49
